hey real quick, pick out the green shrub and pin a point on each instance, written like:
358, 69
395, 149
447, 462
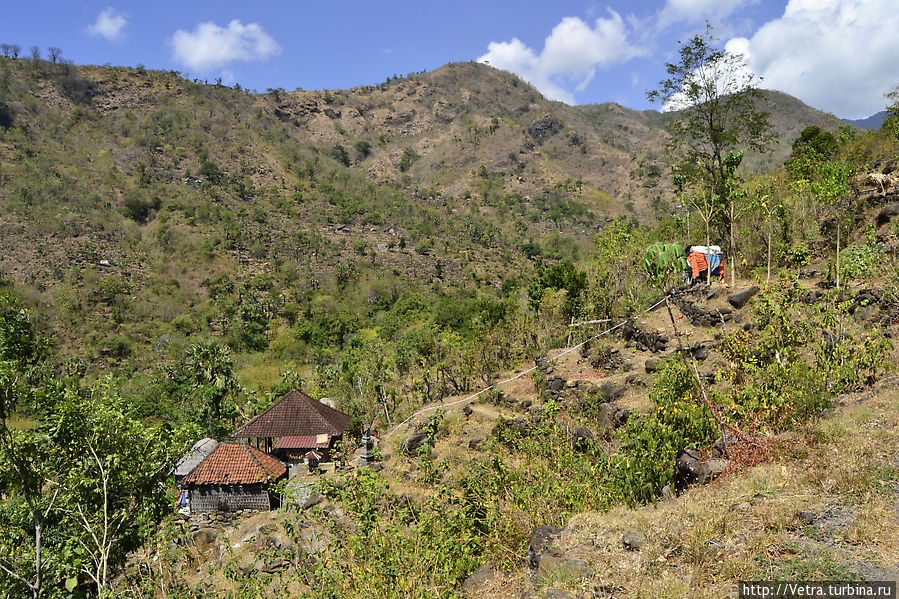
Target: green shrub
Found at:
649, 443
210, 171
138, 208
861, 261
407, 160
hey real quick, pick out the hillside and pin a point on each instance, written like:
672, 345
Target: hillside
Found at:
463, 268
872, 122
124, 190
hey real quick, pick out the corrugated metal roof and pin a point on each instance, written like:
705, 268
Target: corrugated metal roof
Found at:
236, 464
295, 415
199, 452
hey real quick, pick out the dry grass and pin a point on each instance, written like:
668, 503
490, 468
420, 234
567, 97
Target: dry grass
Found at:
746, 526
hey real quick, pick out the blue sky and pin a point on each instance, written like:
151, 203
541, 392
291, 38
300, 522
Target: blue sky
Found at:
837, 55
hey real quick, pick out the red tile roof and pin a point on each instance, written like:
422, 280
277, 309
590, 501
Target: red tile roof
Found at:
303, 442
236, 464
295, 414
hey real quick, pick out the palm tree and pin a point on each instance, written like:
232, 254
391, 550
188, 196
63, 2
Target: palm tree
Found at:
210, 369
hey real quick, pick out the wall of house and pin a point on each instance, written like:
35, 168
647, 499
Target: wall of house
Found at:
214, 498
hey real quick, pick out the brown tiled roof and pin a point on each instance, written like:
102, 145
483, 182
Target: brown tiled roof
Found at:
303, 442
294, 415
236, 464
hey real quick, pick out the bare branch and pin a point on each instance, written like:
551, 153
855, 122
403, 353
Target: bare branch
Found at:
27, 583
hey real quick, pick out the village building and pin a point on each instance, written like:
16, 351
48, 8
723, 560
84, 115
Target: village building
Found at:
294, 426
233, 477
199, 452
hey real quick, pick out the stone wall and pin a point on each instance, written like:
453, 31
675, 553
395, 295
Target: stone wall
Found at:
211, 498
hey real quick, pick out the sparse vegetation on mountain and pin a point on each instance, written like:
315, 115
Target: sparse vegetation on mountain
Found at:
195, 251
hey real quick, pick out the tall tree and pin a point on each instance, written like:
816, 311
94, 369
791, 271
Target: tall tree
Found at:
831, 189
717, 114
21, 351
110, 470
209, 367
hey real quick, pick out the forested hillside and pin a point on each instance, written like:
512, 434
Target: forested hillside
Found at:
176, 255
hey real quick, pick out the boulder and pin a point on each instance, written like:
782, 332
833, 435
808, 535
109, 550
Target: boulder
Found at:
313, 500
700, 352
651, 365
723, 444
739, 299
611, 391
479, 578
279, 540
716, 467
689, 469
274, 565
542, 537
611, 415
633, 540
412, 443
806, 518
206, 539
887, 213
667, 493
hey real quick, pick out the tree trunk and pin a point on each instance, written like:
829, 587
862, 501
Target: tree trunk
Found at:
768, 278
688, 228
838, 251
38, 531
733, 268
708, 255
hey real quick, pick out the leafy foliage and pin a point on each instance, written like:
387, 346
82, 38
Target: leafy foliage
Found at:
664, 261
718, 112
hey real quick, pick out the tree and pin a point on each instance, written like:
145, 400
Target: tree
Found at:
54, 54
717, 115
363, 148
35, 53
769, 201
892, 121
893, 97
110, 470
339, 153
560, 276
208, 366
20, 352
830, 189
813, 145
10, 50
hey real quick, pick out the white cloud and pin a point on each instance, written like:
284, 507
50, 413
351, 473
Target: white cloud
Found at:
210, 46
109, 24
571, 54
697, 11
836, 55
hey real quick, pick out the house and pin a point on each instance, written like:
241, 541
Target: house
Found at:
199, 452
233, 477
295, 425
